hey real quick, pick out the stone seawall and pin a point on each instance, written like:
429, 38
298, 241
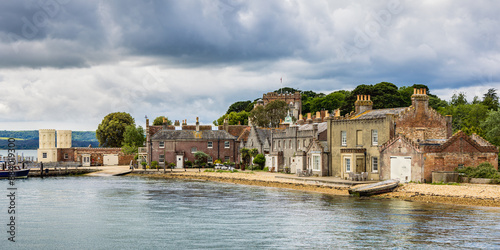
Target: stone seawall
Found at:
463, 194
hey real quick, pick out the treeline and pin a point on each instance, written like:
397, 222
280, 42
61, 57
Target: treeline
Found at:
29, 139
481, 116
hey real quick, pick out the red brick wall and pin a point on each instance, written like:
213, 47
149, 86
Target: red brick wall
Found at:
62, 151
458, 151
184, 147
423, 124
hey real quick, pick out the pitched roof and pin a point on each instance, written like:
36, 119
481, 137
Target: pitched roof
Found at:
322, 126
244, 135
379, 113
192, 135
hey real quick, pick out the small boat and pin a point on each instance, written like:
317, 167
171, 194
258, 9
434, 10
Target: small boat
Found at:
17, 173
374, 188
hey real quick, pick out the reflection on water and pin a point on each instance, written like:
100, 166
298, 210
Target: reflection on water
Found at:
141, 213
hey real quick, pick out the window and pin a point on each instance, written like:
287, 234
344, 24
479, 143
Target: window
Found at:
343, 135
359, 137
374, 164
161, 158
210, 144
226, 144
374, 137
194, 149
279, 144
226, 158
347, 164
162, 144
290, 144
298, 144
210, 159
316, 165
304, 143
44, 155
66, 156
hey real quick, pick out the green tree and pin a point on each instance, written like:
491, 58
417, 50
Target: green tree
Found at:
132, 139
200, 158
490, 99
260, 160
491, 126
259, 117
245, 155
110, 132
466, 117
460, 99
159, 121
233, 118
286, 90
238, 107
276, 111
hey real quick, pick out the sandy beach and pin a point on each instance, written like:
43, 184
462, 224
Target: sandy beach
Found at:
463, 194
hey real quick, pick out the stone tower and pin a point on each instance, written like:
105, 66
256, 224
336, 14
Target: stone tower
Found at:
63, 138
47, 151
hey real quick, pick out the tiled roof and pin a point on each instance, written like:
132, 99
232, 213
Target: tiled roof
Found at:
244, 135
192, 135
379, 113
321, 127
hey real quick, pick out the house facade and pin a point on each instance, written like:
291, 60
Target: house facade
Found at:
179, 146
354, 139
299, 148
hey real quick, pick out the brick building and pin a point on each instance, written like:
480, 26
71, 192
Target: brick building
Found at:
179, 146
294, 101
63, 153
402, 143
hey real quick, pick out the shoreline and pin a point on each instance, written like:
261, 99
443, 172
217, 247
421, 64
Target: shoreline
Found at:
482, 195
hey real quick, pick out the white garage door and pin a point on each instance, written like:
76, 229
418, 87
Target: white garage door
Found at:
401, 168
110, 160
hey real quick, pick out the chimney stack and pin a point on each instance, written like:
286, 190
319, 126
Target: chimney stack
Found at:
317, 119
309, 119
363, 103
197, 125
301, 120
420, 101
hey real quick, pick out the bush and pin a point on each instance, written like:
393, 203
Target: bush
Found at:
483, 170
143, 163
189, 164
266, 169
260, 160
154, 164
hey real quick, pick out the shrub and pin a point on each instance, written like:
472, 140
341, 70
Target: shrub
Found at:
266, 169
260, 160
189, 163
154, 164
483, 170
172, 165
143, 163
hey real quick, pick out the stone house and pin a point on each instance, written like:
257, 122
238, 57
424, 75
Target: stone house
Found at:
354, 139
401, 143
407, 160
300, 148
178, 146
259, 138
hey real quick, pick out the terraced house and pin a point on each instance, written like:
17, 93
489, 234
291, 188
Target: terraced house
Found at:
401, 143
178, 146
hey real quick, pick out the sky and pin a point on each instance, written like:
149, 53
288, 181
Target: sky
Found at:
66, 64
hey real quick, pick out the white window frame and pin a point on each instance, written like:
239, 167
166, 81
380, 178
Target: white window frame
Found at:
316, 162
66, 156
227, 158
161, 144
44, 155
343, 138
193, 150
347, 166
210, 159
226, 144
160, 157
374, 137
374, 164
210, 144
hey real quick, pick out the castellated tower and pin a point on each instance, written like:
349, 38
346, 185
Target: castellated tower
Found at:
63, 138
47, 151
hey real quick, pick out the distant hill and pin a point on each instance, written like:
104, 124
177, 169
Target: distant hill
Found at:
29, 139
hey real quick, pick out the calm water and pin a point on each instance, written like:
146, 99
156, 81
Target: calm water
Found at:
141, 213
